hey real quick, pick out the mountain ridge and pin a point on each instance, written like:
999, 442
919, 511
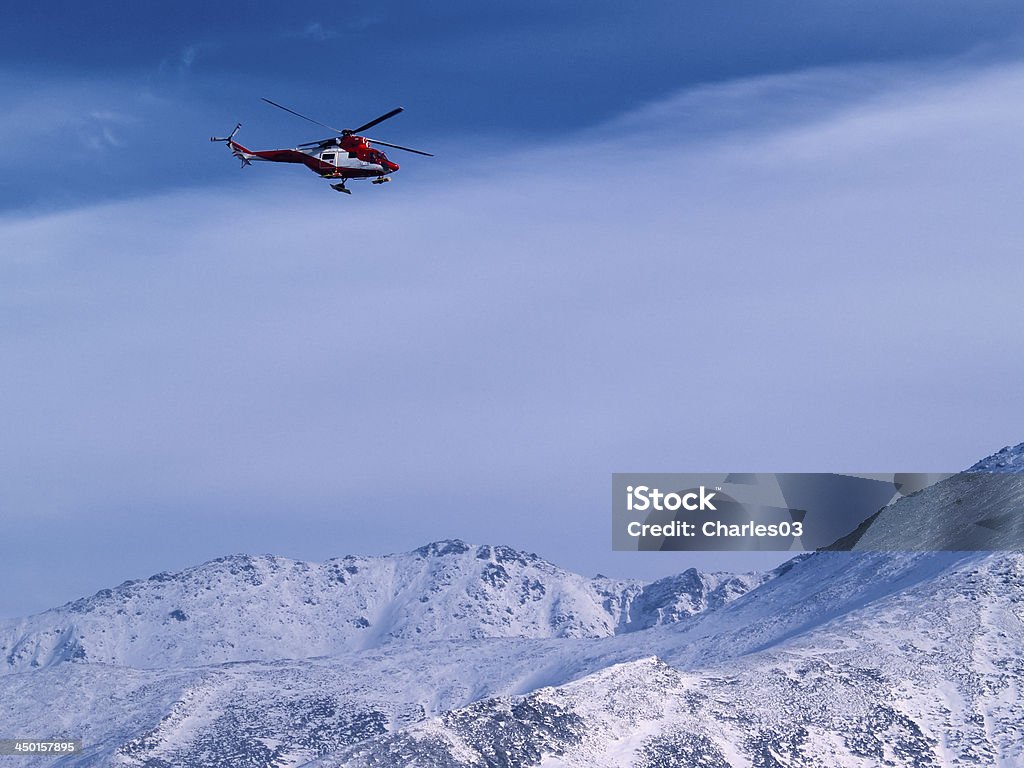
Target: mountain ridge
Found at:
443, 590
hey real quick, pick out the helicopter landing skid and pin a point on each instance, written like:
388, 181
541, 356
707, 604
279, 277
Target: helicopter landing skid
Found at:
340, 187
381, 180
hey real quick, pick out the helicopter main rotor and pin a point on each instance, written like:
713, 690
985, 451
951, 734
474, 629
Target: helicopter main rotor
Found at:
342, 133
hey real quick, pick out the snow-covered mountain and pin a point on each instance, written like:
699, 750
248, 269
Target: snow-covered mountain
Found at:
862, 658
447, 590
927, 674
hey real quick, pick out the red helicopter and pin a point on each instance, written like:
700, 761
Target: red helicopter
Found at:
337, 159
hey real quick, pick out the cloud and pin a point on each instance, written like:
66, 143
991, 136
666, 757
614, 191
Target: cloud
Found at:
474, 348
181, 62
320, 33
189, 56
317, 31
113, 138
77, 115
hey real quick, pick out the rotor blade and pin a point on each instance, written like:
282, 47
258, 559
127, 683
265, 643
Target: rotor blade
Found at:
321, 143
292, 111
380, 119
398, 146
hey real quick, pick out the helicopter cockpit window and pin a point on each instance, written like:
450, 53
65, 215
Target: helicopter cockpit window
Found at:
353, 156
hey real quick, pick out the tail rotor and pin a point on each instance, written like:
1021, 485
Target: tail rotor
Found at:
236, 150
230, 136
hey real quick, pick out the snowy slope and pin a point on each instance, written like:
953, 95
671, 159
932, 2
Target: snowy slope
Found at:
928, 675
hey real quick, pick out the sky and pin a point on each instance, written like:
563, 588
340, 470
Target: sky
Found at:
684, 237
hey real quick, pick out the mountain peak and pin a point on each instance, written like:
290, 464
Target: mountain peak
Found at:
443, 548
1008, 459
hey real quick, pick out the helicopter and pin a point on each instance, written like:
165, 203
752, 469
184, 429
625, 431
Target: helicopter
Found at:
337, 158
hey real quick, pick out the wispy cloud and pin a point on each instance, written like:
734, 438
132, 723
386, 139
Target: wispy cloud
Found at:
317, 31
188, 57
182, 61
105, 130
92, 118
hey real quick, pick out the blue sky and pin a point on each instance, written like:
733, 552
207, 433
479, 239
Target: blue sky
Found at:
699, 236
127, 90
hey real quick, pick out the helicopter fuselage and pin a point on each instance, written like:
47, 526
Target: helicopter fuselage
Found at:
347, 157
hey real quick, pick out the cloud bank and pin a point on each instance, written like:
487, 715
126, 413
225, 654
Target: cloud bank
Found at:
473, 349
